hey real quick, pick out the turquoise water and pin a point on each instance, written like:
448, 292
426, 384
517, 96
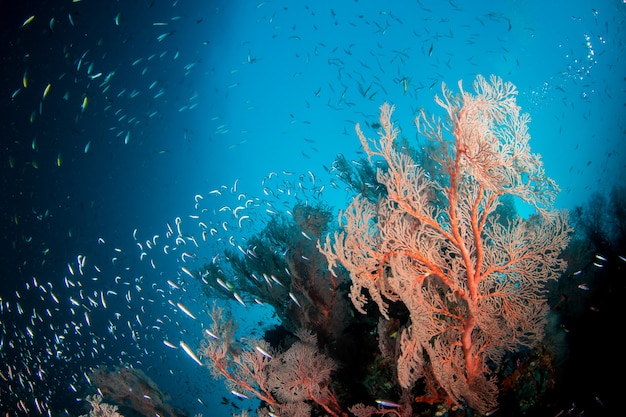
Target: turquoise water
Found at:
116, 115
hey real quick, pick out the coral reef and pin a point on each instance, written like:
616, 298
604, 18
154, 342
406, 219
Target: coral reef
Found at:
474, 288
457, 277
133, 392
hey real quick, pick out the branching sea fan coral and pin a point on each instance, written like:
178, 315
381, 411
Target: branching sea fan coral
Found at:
473, 284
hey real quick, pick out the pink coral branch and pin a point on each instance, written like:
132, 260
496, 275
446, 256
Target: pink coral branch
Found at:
442, 227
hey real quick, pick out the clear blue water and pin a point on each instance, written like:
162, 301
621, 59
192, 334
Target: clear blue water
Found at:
152, 103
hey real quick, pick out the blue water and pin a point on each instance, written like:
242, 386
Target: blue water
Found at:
154, 102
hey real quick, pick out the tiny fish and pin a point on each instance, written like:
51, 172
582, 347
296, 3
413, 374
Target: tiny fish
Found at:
163, 36
211, 334
188, 272
389, 404
28, 21
46, 91
238, 394
276, 280
242, 218
189, 352
185, 310
223, 284
294, 299
169, 344
263, 352
239, 299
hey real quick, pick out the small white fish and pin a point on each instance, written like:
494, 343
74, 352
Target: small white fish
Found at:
211, 334
238, 394
276, 280
169, 344
239, 299
294, 299
242, 218
185, 310
263, 352
186, 255
188, 272
223, 284
389, 404
189, 352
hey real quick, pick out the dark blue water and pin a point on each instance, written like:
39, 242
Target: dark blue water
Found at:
116, 114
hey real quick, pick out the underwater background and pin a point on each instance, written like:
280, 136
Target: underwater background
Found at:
124, 120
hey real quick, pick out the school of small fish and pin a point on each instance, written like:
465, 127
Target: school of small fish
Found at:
118, 302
